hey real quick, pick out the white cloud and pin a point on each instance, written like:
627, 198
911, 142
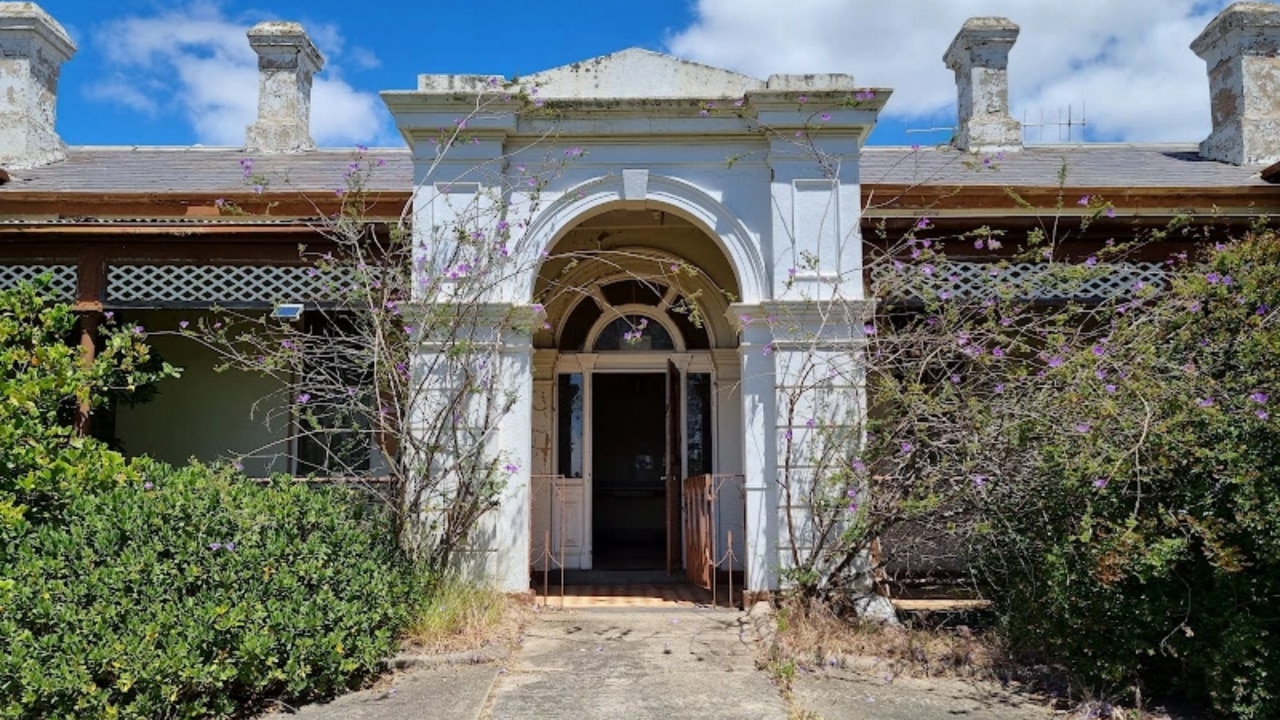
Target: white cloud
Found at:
198, 62
1127, 62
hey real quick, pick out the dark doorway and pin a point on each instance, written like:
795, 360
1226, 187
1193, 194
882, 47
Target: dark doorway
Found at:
628, 452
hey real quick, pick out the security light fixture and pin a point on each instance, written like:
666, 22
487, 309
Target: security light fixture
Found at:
291, 312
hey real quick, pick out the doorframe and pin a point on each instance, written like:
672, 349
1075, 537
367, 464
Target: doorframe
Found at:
649, 361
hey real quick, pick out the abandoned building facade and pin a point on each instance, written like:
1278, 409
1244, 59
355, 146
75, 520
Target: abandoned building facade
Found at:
779, 232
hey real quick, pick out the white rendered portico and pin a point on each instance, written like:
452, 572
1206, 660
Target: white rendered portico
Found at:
657, 221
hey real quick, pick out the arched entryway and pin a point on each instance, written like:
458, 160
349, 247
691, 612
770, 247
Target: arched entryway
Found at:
635, 389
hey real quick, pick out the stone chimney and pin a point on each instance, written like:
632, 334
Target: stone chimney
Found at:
980, 58
287, 60
33, 47
1241, 48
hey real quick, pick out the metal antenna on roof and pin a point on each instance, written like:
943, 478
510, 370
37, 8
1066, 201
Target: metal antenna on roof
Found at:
1066, 125
950, 130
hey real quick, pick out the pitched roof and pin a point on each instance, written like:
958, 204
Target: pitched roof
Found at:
203, 170
1092, 165
192, 170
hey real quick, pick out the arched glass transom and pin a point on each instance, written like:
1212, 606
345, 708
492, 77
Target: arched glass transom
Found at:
634, 332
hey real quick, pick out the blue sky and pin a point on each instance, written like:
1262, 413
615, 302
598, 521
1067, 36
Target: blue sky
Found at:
180, 72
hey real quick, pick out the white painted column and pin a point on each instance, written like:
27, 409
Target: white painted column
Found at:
511, 529
759, 455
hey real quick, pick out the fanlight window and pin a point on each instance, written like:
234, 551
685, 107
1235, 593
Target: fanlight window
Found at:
634, 332
629, 330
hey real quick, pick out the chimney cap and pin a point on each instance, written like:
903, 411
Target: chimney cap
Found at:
1237, 17
979, 31
274, 34
30, 17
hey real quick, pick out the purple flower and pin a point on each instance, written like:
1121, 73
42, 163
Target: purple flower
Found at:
511, 468
999, 389
744, 319
767, 350
1213, 278
1083, 427
803, 98
1111, 389
858, 466
906, 447
1259, 397
1111, 212
1262, 414
868, 329
1084, 201
979, 480
1099, 350
997, 352
147, 485
1055, 361
955, 379
1100, 483
304, 398
1090, 261
215, 546
183, 324
231, 547
810, 422
825, 116
1205, 402
923, 224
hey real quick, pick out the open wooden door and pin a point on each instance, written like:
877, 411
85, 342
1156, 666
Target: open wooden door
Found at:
673, 469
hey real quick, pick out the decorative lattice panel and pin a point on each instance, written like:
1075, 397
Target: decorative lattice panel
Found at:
220, 284
962, 280
62, 278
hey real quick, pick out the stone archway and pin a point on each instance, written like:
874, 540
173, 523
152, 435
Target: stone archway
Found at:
644, 266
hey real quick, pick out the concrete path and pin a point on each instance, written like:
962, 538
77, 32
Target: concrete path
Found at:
842, 695
655, 664
637, 664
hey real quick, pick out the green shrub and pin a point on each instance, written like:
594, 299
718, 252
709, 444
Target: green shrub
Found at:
196, 593
43, 379
1147, 548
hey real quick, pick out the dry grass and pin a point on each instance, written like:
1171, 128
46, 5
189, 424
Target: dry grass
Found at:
812, 637
463, 616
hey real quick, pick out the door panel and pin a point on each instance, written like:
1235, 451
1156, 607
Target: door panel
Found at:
673, 469
628, 473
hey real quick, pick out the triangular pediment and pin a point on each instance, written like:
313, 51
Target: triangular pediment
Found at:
640, 73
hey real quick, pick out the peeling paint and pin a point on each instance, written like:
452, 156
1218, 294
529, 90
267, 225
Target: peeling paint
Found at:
1240, 48
33, 47
979, 56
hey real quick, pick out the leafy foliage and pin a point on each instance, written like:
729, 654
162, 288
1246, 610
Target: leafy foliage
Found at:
43, 380
1111, 468
193, 593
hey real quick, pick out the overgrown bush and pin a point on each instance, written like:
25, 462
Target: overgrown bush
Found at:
194, 593
44, 380
1147, 548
